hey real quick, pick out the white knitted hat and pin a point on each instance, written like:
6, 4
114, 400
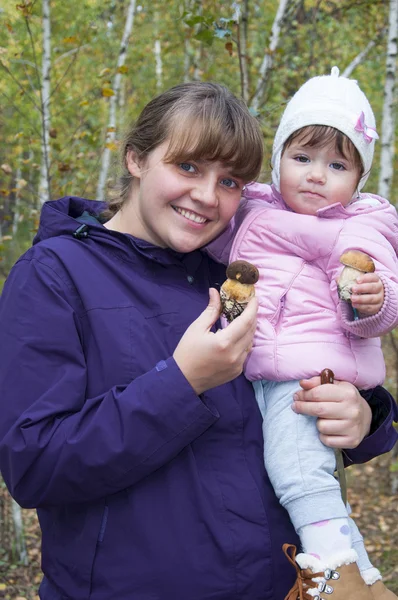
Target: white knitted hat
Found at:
333, 101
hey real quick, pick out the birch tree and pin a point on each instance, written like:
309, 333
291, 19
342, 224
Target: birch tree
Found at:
111, 129
269, 52
157, 50
388, 118
44, 185
192, 54
242, 18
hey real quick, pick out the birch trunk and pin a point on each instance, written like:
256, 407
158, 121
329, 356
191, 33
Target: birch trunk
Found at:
19, 533
269, 54
157, 50
111, 129
242, 27
44, 184
192, 57
388, 119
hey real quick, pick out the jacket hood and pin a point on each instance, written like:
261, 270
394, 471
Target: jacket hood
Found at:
64, 217
81, 218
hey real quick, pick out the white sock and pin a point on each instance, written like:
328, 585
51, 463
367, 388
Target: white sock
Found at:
326, 538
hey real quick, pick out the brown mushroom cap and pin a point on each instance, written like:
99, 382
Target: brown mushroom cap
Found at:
242, 271
358, 260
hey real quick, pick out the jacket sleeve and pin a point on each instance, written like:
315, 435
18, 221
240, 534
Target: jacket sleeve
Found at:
383, 436
58, 446
369, 240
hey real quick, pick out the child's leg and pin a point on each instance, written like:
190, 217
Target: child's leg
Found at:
301, 470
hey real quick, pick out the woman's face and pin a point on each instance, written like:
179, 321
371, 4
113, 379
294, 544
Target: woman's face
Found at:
180, 206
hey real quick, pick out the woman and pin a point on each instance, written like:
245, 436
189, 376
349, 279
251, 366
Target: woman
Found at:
124, 419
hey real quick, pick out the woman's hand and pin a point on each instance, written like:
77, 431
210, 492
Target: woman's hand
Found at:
209, 359
344, 417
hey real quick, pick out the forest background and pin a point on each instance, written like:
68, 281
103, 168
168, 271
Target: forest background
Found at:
74, 74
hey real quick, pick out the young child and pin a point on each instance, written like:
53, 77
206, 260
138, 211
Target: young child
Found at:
295, 231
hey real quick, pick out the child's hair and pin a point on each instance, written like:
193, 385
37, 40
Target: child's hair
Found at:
201, 121
323, 136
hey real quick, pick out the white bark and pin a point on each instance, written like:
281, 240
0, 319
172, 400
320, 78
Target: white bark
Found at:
111, 129
243, 17
192, 57
19, 533
157, 50
388, 119
269, 53
44, 185
159, 65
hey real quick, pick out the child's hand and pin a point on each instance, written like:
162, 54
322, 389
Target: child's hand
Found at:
368, 294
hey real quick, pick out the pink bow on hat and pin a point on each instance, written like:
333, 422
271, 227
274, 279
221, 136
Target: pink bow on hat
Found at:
369, 133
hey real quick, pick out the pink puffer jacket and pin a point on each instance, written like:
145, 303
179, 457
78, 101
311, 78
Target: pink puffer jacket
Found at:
303, 327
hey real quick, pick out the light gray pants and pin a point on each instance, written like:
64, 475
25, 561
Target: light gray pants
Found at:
299, 466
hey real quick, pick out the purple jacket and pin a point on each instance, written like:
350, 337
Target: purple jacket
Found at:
144, 490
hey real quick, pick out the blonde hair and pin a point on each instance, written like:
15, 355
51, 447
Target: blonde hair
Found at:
201, 121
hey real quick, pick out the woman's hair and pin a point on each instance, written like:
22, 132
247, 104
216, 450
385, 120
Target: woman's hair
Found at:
316, 136
201, 121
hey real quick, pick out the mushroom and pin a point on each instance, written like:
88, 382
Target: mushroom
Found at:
237, 290
355, 263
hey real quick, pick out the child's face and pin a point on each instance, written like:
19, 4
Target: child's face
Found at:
315, 177
180, 206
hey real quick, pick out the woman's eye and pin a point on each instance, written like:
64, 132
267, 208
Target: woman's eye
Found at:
338, 166
230, 183
187, 167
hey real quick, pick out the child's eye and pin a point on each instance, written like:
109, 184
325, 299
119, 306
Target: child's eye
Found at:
301, 158
338, 166
229, 183
187, 167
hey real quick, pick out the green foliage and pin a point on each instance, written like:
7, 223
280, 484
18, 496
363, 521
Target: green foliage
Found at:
199, 39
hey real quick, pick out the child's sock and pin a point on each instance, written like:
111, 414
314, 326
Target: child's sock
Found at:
326, 538
369, 573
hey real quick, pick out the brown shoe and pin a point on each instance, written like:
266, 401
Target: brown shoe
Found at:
340, 579
380, 592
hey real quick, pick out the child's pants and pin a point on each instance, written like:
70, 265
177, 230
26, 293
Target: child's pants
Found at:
299, 466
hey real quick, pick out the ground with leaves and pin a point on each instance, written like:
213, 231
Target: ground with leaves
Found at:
375, 512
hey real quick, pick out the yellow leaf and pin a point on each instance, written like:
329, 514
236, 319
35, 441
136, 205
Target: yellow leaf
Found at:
107, 92
70, 39
3, 587
84, 103
105, 71
111, 129
123, 69
111, 146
